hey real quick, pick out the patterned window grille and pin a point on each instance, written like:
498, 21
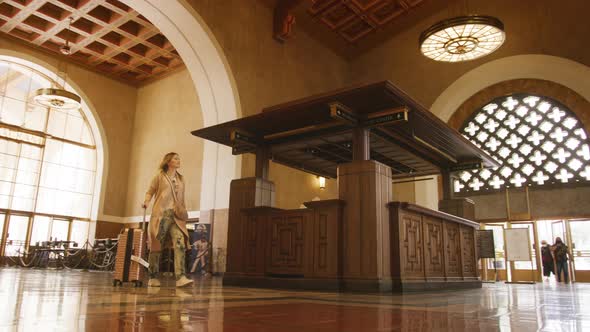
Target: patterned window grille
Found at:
537, 140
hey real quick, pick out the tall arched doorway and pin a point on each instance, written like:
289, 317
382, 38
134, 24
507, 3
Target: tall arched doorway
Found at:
213, 82
51, 162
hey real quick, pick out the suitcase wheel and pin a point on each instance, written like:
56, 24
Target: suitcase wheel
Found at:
117, 283
137, 283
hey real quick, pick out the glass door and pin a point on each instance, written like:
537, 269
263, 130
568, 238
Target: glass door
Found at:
558, 230
527, 270
2, 237
496, 269
580, 249
16, 236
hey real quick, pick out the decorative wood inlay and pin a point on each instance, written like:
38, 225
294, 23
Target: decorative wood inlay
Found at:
434, 248
106, 35
468, 249
323, 241
452, 250
286, 244
411, 241
251, 242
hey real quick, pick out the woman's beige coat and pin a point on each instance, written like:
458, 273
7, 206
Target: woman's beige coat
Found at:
162, 190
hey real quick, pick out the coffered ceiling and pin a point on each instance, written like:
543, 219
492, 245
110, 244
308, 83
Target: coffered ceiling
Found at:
105, 35
351, 27
354, 19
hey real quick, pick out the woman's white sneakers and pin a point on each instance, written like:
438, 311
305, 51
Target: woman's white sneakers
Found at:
183, 281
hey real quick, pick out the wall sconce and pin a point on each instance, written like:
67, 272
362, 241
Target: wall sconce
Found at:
322, 182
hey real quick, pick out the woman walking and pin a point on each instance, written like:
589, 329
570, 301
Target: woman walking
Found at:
167, 226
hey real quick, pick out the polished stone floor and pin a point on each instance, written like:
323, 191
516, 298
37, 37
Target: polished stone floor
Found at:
50, 300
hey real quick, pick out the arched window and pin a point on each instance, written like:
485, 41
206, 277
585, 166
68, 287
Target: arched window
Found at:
537, 140
47, 164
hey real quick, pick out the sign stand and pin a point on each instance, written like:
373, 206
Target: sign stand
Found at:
486, 249
518, 244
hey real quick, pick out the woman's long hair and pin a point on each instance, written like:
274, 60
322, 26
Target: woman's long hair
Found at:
164, 164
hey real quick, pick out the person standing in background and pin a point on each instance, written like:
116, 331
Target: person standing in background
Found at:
561, 253
547, 259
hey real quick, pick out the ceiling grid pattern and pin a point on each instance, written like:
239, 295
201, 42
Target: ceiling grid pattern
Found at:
106, 35
354, 19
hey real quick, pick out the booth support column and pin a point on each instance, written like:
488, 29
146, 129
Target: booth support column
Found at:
246, 193
365, 186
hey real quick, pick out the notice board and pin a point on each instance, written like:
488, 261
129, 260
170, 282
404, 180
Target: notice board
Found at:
485, 243
518, 244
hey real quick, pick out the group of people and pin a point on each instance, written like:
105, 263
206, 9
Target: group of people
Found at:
555, 259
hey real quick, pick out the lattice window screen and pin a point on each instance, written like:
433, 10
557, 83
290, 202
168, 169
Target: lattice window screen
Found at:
536, 139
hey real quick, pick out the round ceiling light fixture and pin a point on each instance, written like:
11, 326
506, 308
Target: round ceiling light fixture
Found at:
462, 38
57, 98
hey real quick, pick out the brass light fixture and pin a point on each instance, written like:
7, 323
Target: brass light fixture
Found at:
322, 182
462, 38
57, 97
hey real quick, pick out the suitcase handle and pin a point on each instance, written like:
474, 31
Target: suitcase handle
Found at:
143, 223
144, 232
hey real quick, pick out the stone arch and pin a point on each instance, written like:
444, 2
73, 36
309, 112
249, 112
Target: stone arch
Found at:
214, 85
554, 71
572, 100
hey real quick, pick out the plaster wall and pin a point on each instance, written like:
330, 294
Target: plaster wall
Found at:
267, 73
166, 111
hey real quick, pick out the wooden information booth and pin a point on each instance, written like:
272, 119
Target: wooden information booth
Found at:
365, 137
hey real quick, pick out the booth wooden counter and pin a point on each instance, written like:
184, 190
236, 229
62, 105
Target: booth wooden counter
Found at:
365, 137
304, 249
431, 249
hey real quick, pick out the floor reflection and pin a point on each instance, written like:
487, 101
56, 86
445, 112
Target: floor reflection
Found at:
85, 301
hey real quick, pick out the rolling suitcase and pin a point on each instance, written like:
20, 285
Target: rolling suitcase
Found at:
130, 264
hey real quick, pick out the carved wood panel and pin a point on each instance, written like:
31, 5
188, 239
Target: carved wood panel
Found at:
322, 242
452, 250
324, 254
468, 251
433, 248
252, 243
411, 238
287, 244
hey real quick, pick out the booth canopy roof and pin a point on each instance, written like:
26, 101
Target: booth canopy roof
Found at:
314, 134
